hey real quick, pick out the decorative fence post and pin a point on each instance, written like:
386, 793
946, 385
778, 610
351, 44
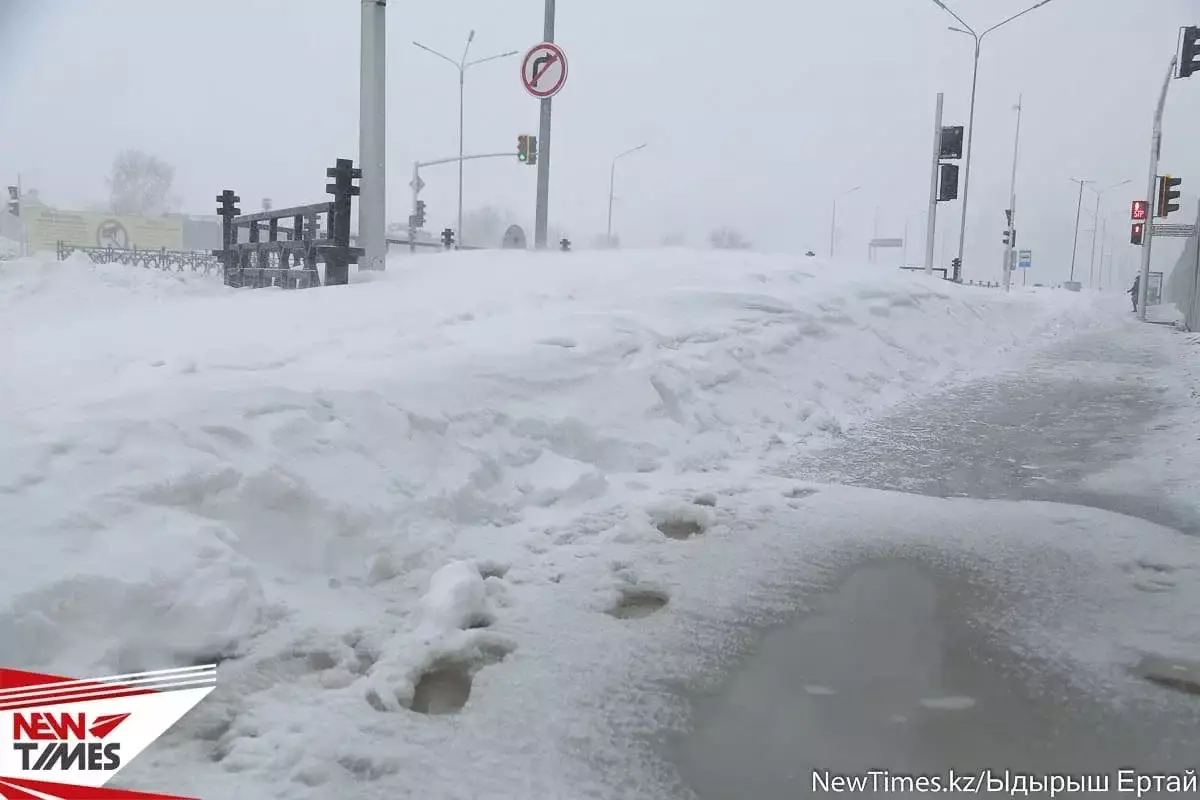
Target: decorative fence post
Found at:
228, 210
341, 255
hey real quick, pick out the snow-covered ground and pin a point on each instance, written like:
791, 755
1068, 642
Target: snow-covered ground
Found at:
460, 467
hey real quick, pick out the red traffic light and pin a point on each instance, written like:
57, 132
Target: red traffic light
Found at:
1140, 209
1137, 232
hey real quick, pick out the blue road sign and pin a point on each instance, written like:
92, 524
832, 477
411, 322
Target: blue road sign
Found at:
1025, 259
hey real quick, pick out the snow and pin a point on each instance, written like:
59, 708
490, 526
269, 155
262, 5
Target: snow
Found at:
453, 475
9, 249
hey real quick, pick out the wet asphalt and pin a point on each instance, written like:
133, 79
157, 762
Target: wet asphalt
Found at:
918, 687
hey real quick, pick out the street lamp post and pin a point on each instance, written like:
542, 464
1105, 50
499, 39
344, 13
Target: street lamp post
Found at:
978, 37
612, 179
833, 219
1095, 224
1078, 210
462, 65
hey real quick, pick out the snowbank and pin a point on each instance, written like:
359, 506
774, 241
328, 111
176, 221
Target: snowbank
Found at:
341, 493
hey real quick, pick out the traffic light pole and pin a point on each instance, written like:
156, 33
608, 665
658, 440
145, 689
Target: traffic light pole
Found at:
1155, 152
931, 228
416, 182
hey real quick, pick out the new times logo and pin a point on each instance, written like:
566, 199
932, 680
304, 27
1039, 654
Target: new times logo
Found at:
62, 741
66, 737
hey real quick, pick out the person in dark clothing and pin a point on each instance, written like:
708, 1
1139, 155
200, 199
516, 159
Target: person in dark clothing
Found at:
1133, 291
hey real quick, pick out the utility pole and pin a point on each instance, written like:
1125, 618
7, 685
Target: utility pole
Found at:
931, 228
542, 215
1078, 211
1155, 152
1012, 203
372, 133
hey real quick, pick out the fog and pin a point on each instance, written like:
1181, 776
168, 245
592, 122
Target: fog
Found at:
756, 113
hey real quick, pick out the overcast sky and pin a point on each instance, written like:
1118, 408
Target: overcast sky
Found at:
756, 112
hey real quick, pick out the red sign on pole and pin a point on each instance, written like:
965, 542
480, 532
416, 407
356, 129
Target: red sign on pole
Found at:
1139, 211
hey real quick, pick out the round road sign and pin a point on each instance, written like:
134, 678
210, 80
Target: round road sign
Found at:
544, 70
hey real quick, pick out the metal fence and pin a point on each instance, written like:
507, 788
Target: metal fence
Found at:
289, 256
161, 259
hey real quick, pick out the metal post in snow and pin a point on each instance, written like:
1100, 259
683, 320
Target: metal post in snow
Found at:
1078, 211
1155, 152
416, 191
372, 129
931, 228
541, 216
1012, 203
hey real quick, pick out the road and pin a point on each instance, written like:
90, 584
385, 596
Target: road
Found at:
892, 670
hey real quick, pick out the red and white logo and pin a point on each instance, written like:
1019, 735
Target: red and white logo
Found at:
66, 738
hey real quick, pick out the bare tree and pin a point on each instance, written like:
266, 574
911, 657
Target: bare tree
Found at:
140, 184
727, 238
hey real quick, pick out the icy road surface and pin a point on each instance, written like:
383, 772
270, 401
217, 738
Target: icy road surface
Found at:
921, 660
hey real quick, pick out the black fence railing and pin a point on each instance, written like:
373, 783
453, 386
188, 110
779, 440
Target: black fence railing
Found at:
161, 259
289, 256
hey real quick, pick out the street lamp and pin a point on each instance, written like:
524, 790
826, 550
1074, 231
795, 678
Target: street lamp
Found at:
462, 65
833, 220
978, 37
1095, 222
1078, 209
612, 179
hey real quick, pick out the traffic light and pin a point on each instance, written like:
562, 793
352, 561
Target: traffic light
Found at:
14, 201
948, 182
1137, 232
951, 142
527, 149
1189, 52
419, 216
1013, 242
1139, 210
1165, 184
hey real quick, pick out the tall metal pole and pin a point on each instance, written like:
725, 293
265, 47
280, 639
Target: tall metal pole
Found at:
1155, 152
962, 227
1075, 240
416, 191
543, 177
1012, 203
931, 228
462, 79
833, 226
612, 180
372, 132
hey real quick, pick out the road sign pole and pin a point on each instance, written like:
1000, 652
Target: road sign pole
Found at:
1155, 152
931, 228
541, 217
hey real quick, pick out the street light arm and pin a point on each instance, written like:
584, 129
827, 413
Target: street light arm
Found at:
457, 66
466, 48
961, 21
490, 58
627, 152
1034, 7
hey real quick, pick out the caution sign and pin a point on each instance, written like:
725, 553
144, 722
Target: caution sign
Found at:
86, 229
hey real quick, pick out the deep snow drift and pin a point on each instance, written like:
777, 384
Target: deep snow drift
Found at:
360, 498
